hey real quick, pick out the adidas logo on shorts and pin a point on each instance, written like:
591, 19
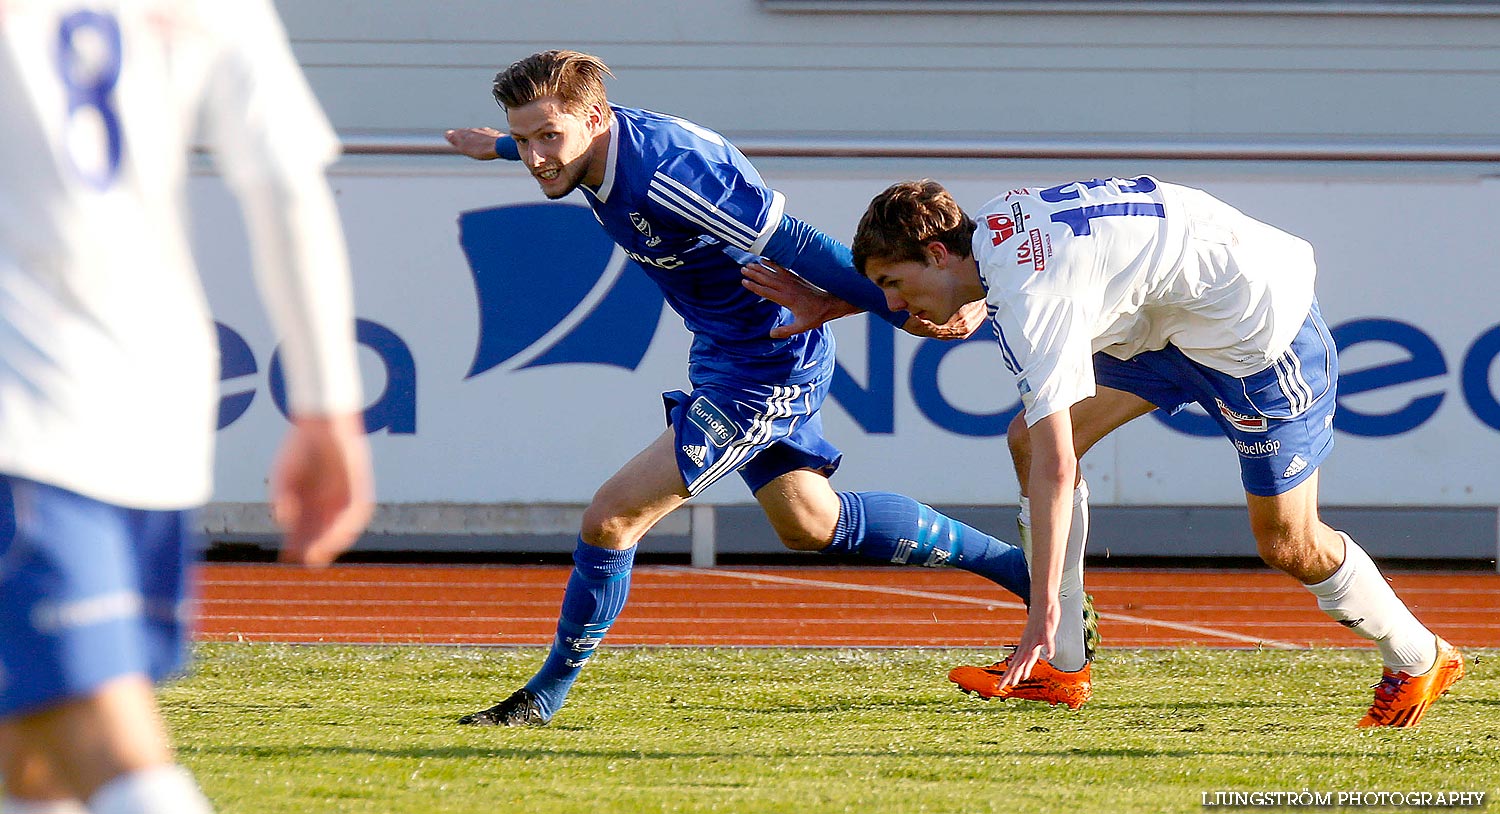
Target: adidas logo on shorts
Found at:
1298, 464
695, 453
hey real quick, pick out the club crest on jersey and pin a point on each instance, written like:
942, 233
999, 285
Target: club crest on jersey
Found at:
644, 227
713, 421
1242, 422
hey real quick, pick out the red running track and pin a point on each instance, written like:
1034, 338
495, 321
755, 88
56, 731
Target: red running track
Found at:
796, 606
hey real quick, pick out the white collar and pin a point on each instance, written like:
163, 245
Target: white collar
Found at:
610, 160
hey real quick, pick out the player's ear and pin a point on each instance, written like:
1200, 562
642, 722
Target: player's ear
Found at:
937, 252
597, 117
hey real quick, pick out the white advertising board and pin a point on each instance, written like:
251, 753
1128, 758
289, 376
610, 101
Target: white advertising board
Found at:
515, 407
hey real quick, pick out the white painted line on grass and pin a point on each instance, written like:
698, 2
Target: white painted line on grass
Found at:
987, 603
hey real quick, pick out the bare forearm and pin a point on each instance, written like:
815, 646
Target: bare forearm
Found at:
1053, 470
1051, 514
481, 143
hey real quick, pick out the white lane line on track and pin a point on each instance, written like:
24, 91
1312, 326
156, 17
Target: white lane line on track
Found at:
987, 603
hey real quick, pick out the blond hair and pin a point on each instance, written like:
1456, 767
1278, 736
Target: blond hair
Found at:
575, 79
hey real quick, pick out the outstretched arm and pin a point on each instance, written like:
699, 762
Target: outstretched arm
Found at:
827, 264
812, 306
483, 143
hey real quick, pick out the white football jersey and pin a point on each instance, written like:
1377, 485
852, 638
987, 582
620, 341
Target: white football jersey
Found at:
1128, 265
108, 356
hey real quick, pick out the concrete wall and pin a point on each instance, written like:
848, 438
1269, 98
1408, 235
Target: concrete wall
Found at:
1354, 72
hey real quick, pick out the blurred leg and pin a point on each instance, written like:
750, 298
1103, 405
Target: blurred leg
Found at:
95, 739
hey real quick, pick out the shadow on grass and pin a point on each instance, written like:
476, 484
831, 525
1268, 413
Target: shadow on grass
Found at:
531, 753
960, 704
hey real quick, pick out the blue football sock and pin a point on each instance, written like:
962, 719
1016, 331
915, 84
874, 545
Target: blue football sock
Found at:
895, 528
595, 595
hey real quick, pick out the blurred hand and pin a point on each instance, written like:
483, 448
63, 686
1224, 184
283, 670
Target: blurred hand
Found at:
810, 306
961, 325
322, 489
475, 142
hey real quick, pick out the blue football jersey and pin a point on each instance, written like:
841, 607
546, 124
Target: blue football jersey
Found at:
687, 206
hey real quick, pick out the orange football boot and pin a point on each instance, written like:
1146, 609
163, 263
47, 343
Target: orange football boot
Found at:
1402, 699
1046, 683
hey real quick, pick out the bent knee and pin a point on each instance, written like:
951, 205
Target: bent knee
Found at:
1280, 557
1295, 554
802, 540
1018, 437
608, 529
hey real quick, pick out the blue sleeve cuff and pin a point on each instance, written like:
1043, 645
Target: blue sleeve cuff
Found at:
505, 147
829, 265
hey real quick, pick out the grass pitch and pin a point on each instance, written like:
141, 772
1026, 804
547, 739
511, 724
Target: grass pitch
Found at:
273, 728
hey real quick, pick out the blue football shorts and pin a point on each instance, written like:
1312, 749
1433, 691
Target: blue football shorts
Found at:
89, 592
1279, 420
761, 431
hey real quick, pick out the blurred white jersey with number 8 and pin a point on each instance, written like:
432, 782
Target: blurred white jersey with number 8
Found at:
108, 357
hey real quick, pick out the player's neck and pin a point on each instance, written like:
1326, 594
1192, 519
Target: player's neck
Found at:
599, 155
969, 285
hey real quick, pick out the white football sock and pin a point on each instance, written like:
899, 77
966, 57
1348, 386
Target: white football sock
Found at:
1359, 598
1023, 527
15, 805
1068, 652
158, 790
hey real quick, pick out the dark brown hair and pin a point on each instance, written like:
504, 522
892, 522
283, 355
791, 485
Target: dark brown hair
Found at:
902, 220
575, 79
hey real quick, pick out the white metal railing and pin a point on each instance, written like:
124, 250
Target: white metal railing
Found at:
835, 147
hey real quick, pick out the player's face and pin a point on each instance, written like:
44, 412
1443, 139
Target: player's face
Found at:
559, 147
925, 289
